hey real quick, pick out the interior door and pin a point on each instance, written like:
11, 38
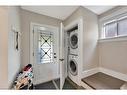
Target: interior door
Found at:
46, 54
63, 69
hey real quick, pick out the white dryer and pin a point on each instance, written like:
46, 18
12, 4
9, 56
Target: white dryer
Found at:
73, 68
73, 41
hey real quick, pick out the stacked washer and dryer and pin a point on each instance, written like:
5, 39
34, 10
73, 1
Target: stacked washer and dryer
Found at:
73, 54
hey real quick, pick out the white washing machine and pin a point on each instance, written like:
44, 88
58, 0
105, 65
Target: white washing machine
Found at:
73, 68
73, 42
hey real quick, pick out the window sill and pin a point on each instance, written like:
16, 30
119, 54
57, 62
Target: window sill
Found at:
119, 38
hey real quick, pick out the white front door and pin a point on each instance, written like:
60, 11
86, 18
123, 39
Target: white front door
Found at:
46, 53
63, 65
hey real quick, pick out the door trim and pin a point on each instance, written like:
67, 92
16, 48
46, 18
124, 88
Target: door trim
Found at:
32, 24
79, 22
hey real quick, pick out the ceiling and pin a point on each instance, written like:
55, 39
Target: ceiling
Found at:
62, 12
59, 12
99, 9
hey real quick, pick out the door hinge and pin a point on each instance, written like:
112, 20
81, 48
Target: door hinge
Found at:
61, 59
33, 31
33, 53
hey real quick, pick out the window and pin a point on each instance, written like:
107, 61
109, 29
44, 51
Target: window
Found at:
115, 28
111, 30
122, 27
45, 43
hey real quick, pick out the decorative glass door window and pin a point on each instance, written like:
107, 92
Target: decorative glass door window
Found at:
45, 44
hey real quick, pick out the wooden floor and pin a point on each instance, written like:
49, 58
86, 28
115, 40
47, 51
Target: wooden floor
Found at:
103, 81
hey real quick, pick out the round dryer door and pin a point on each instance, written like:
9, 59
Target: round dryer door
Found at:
73, 67
74, 40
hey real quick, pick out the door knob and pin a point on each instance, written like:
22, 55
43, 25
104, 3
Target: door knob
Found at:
55, 57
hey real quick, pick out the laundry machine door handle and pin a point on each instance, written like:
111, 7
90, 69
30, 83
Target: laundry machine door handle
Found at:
61, 59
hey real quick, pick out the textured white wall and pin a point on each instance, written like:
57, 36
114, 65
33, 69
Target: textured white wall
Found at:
3, 47
13, 55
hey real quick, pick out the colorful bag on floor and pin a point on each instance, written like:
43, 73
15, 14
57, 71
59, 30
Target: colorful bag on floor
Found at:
24, 78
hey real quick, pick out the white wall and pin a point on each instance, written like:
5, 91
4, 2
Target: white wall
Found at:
9, 58
91, 57
26, 18
3, 47
113, 54
13, 54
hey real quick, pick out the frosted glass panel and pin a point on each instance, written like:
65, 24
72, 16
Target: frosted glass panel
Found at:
122, 27
111, 30
45, 44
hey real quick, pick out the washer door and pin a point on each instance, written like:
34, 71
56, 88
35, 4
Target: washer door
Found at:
74, 40
73, 67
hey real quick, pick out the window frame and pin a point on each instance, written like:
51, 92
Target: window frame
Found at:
41, 32
115, 20
125, 18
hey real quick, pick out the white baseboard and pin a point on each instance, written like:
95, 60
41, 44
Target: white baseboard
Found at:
115, 74
89, 72
86, 86
124, 86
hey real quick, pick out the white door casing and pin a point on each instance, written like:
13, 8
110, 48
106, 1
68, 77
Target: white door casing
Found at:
46, 71
63, 65
78, 22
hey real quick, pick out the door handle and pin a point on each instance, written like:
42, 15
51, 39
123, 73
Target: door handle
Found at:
55, 57
61, 59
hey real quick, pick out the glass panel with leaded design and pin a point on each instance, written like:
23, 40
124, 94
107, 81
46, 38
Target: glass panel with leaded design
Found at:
45, 44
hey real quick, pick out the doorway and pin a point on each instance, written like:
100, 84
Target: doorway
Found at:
44, 53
